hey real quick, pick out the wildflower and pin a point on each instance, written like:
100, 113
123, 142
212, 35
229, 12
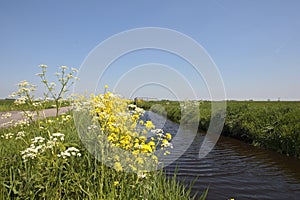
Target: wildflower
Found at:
142, 175
21, 100
20, 135
106, 86
52, 84
23, 83
63, 67
74, 69
70, 76
168, 136
43, 66
71, 151
118, 166
7, 136
6, 115
57, 135
116, 183
149, 125
37, 139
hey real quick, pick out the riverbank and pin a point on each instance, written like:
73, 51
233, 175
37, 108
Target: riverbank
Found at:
270, 125
47, 159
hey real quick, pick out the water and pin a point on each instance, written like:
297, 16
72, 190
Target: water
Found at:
234, 169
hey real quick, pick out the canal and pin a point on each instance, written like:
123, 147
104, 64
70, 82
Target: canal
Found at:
233, 168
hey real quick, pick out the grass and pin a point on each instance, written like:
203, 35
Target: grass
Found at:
271, 125
84, 177
8, 105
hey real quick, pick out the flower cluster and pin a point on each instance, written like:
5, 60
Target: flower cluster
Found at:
7, 136
6, 115
24, 94
71, 151
17, 136
121, 123
40, 145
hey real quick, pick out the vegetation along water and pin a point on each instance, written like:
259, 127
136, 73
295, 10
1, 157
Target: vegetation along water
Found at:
267, 124
47, 158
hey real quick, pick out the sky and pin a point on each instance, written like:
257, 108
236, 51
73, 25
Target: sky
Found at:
255, 45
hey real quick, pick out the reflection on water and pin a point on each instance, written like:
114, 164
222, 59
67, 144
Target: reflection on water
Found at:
235, 169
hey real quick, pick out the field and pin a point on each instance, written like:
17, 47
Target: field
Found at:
8, 105
271, 125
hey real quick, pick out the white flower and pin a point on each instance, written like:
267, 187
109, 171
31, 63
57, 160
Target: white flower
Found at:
20, 101
7, 136
74, 69
6, 115
69, 76
63, 67
20, 135
132, 106
43, 66
142, 175
72, 149
157, 131
23, 83
38, 139
37, 104
52, 84
58, 135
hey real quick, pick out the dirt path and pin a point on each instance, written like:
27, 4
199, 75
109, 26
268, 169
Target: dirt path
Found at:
17, 116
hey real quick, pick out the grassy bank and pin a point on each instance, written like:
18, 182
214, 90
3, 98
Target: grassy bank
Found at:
272, 125
99, 151
77, 176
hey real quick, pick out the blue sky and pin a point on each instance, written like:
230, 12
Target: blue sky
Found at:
255, 44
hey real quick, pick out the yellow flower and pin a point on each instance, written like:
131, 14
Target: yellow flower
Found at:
143, 138
149, 125
106, 86
151, 143
140, 161
116, 183
168, 136
118, 166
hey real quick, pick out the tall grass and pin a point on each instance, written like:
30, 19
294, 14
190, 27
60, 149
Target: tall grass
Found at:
84, 177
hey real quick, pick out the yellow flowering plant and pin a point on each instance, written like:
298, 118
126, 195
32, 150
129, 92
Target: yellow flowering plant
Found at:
121, 134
